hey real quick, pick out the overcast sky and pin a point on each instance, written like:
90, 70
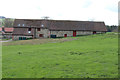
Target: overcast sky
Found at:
83, 10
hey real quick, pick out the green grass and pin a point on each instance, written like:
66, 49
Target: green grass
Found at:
93, 56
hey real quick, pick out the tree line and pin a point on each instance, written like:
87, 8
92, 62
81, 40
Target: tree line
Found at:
111, 28
7, 22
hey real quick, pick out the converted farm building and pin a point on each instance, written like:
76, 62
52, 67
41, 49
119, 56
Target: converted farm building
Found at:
6, 33
31, 28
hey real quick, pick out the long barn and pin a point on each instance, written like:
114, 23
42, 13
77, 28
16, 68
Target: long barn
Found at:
32, 28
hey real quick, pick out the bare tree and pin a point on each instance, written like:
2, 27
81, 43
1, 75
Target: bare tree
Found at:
8, 22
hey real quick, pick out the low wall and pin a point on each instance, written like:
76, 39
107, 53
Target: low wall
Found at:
6, 36
17, 37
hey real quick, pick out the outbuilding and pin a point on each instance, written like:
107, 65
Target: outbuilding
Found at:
35, 28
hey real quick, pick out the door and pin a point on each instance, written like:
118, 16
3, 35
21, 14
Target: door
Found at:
74, 33
94, 32
65, 35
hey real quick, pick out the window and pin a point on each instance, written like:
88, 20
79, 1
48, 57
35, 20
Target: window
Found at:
38, 29
18, 24
29, 29
23, 25
42, 25
40, 35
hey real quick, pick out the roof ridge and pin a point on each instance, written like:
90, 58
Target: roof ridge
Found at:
57, 20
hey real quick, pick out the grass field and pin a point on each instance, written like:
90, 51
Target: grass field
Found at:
93, 56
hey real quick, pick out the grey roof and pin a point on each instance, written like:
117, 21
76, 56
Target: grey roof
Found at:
57, 25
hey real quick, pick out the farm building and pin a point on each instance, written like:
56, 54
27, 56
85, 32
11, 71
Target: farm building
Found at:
32, 28
6, 33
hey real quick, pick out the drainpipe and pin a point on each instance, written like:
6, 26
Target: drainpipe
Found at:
50, 34
12, 37
35, 32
